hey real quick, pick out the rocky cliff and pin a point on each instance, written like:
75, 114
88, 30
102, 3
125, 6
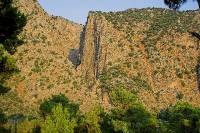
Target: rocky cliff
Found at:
152, 46
97, 48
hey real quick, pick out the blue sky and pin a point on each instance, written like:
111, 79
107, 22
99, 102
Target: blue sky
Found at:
77, 10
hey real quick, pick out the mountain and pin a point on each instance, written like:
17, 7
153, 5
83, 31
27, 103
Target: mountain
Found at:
149, 52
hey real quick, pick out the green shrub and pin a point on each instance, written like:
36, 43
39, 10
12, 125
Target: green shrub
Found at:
133, 120
122, 97
3, 117
4, 89
140, 83
91, 121
7, 62
47, 106
179, 73
181, 118
59, 121
179, 95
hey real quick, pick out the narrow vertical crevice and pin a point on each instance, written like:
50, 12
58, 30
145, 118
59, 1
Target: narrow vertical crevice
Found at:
90, 41
198, 73
82, 44
76, 55
97, 39
105, 59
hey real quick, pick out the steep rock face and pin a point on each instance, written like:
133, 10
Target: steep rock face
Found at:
151, 46
91, 46
97, 48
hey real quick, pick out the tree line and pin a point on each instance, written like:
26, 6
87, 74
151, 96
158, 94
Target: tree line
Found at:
60, 115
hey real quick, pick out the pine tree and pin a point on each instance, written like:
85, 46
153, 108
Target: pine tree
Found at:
11, 24
176, 4
59, 121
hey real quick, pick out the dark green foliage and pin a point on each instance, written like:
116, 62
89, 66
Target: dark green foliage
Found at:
4, 89
176, 4
179, 73
47, 106
90, 122
3, 118
60, 115
140, 83
7, 67
7, 62
179, 95
133, 120
120, 97
11, 24
182, 118
4, 130
16, 118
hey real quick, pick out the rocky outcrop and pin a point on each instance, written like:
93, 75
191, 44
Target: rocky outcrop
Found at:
98, 46
91, 47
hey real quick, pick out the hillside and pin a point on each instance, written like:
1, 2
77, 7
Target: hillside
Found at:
146, 51
42, 59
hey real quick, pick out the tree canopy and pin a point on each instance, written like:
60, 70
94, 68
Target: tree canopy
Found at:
176, 4
11, 24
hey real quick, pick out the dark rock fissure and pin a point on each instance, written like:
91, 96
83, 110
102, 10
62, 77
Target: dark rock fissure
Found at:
97, 38
198, 73
74, 57
196, 35
82, 43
